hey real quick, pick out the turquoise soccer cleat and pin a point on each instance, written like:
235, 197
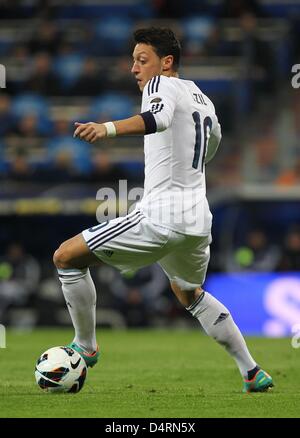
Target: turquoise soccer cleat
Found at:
261, 382
90, 358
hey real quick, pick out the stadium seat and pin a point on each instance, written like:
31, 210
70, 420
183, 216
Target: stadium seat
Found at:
68, 67
283, 8
195, 31
113, 33
78, 150
26, 102
91, 8
111, 106
5, 45
3, 164
32, 104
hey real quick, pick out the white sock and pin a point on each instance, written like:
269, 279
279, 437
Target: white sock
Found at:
80, 295
218, 323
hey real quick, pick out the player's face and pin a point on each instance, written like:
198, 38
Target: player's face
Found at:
146, 64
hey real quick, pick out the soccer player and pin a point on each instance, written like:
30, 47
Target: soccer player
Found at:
172, 223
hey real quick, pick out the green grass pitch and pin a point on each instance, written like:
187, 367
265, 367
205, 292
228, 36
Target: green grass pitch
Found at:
150, 374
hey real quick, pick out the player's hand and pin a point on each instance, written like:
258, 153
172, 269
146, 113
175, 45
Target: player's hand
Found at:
90, 131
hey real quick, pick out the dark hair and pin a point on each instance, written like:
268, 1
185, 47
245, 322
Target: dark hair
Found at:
163, 41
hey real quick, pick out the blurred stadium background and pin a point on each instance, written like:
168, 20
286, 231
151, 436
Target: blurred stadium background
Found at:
70, 61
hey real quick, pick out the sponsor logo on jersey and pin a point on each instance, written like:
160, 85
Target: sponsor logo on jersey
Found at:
156, 108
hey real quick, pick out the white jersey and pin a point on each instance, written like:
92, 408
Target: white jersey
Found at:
187, 136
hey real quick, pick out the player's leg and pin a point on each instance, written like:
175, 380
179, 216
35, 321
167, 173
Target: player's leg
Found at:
72, 260
218, 323
74, 253
186, 271
127, 243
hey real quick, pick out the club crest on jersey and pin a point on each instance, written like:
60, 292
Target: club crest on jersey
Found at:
156, 100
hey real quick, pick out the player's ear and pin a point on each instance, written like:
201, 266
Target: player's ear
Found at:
167, 62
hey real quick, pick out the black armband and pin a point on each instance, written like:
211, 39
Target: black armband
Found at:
150, 123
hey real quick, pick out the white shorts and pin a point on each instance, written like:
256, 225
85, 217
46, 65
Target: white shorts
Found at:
132, 242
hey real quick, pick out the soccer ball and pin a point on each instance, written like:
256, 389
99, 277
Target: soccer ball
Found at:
60, 369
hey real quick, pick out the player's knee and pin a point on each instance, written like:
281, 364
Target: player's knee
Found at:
186, 297
62, 257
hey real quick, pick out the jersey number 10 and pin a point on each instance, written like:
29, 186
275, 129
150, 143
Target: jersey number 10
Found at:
201, 143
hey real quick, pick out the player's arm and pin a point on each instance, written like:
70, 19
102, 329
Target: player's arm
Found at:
92, 131
214, 142
160, 97
159, 100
